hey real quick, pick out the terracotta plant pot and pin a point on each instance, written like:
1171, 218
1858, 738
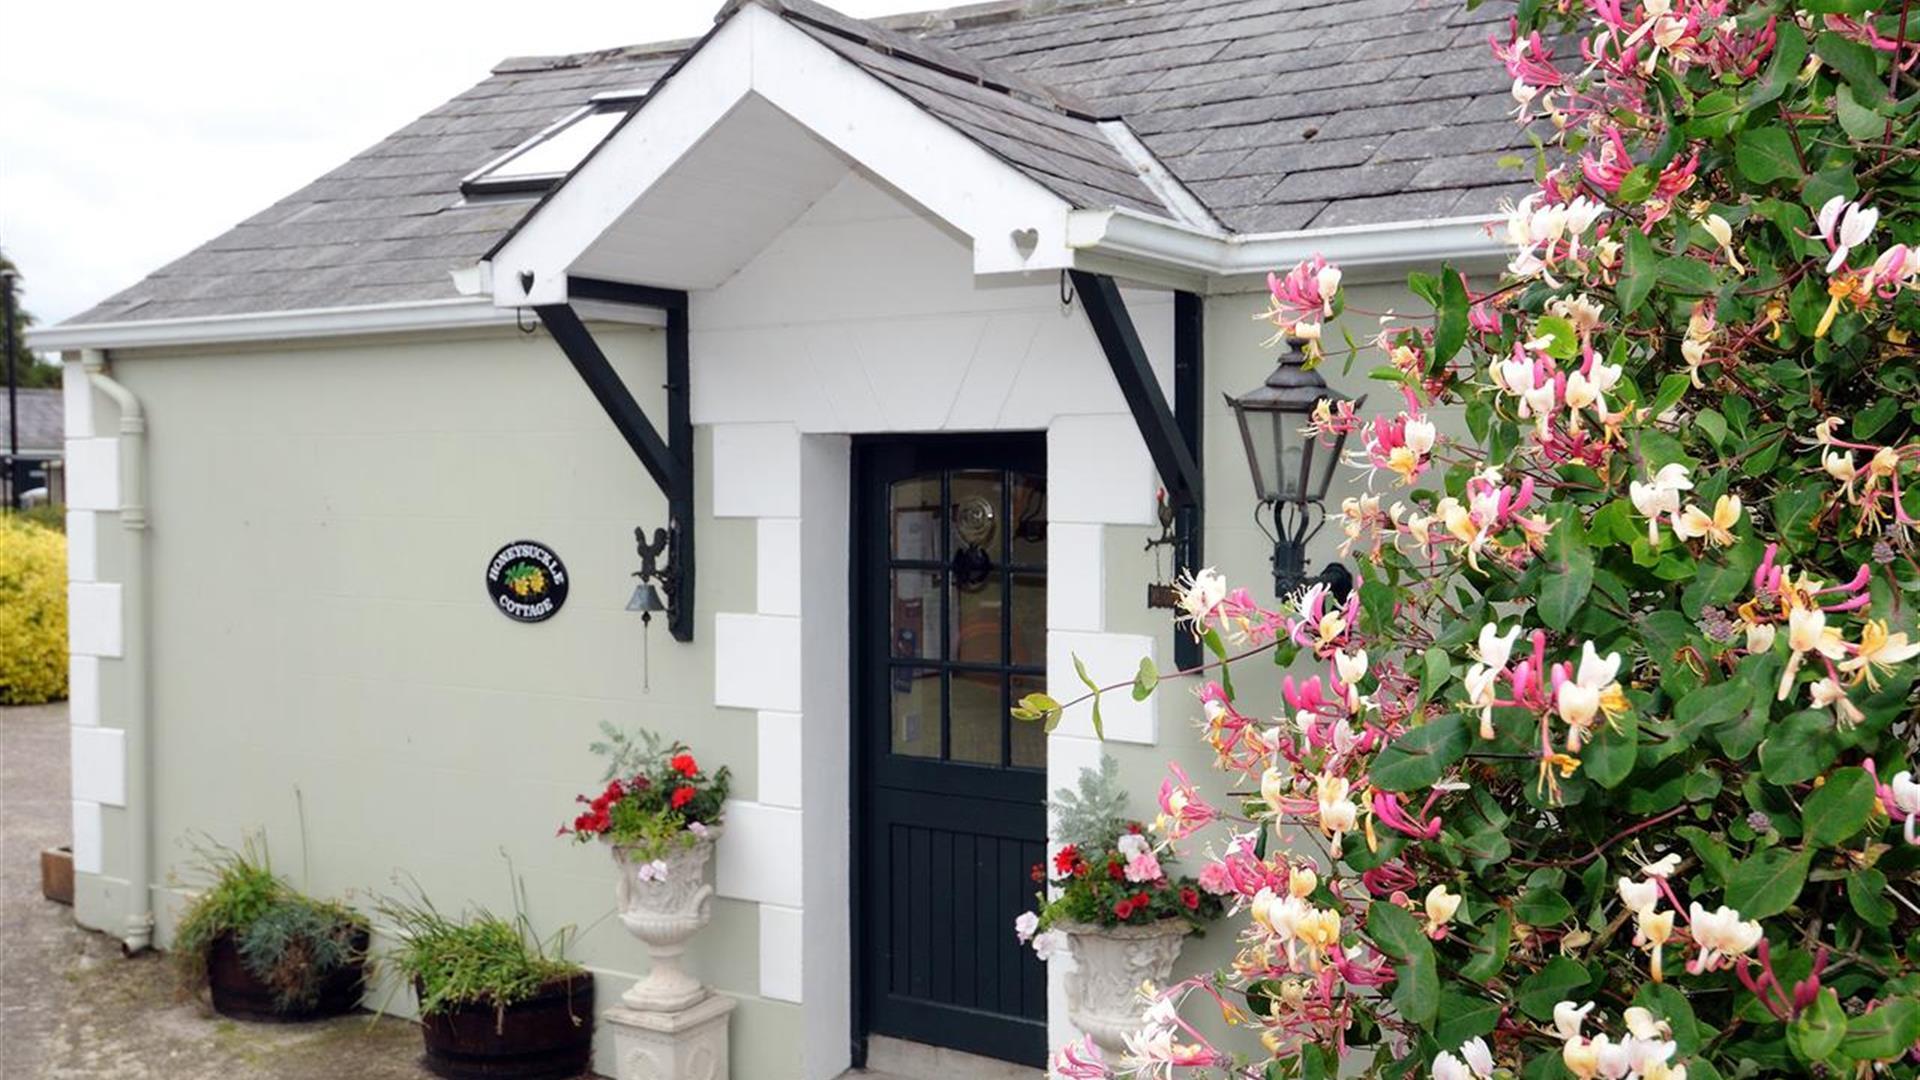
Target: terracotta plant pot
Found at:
1110, 963
238, 994
549, 1035
665, 912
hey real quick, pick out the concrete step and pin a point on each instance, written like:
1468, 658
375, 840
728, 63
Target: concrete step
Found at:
897, 1059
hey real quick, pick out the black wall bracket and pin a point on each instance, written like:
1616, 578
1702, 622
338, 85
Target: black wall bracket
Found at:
668, 460
1172, 435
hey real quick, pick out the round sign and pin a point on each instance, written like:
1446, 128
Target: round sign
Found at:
527, 581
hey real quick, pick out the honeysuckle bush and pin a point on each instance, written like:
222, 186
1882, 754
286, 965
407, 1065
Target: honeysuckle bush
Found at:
1604, 767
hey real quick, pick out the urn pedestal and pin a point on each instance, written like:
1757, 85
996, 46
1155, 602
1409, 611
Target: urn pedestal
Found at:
668, 1026
1110, 963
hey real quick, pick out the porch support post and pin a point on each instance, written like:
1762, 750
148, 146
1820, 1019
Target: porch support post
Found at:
670, 460
1172, 438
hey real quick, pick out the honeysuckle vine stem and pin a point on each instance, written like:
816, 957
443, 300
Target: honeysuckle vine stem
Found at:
1182, 673
1610, 841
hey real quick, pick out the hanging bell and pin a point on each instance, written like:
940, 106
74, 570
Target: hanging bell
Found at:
646, 600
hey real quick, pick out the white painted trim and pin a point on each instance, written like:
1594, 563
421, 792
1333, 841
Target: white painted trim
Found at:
83, 690
760, 858
87, 830
758, 53
778, 749
305, 323
94, 618
756, 662
782, 941
1165, 186
1130, 235
99, 764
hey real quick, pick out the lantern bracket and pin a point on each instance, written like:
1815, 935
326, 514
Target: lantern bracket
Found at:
670, 460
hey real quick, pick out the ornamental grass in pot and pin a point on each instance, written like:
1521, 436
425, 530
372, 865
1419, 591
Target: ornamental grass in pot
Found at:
264, 950
659, 815
495, 1000
1113, 905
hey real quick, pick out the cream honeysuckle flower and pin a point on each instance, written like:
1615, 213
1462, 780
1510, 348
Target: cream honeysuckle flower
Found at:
1202, 596
1722, 234
1448, 1067
1877, 652
1567, 1018
1807, 631
1829, 694
1638, 896
1338, 813
1906, 793
1581, 1058
1441, 906
1854, 226
1660, 496
1760, 637
1693, 522
1273, 788
1839, 465
1721, 934
1664, 866
1301, 881
1352, 666
1478, 1056
1642, 1024
1654, 928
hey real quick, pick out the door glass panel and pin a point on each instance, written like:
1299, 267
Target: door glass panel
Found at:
1029, 737
976, 621
916, 711
914, 518
976, 715
915, 603
1027, 516
978, 510
1029, 619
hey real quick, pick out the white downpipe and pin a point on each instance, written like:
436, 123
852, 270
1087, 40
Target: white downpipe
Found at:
133, 518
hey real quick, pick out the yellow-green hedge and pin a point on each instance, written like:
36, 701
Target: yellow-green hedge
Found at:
33, 613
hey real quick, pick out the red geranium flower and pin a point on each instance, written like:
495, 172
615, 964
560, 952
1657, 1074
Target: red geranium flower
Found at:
681, 797
684, 765
1038, 873
1190, 897
1080, 868
1063, 860
1115, 870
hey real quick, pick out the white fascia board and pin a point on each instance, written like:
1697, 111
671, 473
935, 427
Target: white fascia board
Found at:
1120, 236
1015, 224
269, 326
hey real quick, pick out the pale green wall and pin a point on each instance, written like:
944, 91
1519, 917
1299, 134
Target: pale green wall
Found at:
322, 518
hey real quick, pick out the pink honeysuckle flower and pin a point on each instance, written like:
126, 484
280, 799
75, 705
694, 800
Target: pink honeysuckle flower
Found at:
1730, 52
1186, 810
1391, 813
1897, 268
1303, 298
1080, 1061
1399, 444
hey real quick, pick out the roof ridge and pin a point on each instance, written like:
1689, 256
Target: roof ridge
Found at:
931, 20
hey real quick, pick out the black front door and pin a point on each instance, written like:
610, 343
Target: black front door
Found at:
951, 552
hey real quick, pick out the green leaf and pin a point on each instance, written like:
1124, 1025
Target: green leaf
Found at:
1794, 511
1463, 1017
1711, 851
1817, 1032
1147, 678
1489, 953
1637, 184
1420, 756
1714, 425
1857, 119
1416, 987
1450, 329
1884, 1033
1856, 63
1638, 273
1570, 575
1766, 154
1219, 649
1867, 892
1080, 669
1839, 808
1688, 275
1559, 980
1543, 907
1709, 707
1868, 421
1767, 882
1789, 52
1436, 670
1608, 759
1562, 340
1798, 748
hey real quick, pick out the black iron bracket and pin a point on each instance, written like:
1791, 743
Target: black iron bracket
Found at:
668, 460
1172, 434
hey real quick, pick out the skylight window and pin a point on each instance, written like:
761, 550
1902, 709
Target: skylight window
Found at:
544, 160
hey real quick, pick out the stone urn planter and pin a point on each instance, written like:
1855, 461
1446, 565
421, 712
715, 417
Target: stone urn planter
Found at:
1110, 963
665, 911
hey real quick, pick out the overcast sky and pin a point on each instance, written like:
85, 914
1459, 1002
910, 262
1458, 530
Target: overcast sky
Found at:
131, 132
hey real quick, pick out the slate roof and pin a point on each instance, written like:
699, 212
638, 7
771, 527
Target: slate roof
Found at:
1277, 114
42, 421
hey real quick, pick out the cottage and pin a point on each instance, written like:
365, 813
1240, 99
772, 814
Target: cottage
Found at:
894, 327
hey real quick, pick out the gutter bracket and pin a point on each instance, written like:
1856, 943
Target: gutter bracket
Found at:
1173, 441
670, 460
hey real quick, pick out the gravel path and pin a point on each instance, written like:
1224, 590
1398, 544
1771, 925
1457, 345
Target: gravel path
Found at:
72, 1007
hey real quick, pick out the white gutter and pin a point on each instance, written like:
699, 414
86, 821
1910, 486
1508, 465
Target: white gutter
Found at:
1130, 235
133, 654
305, 324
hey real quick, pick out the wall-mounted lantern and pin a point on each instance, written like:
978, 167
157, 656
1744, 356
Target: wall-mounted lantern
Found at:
1291, 469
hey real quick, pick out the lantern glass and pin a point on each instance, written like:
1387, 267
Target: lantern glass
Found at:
1288, 465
